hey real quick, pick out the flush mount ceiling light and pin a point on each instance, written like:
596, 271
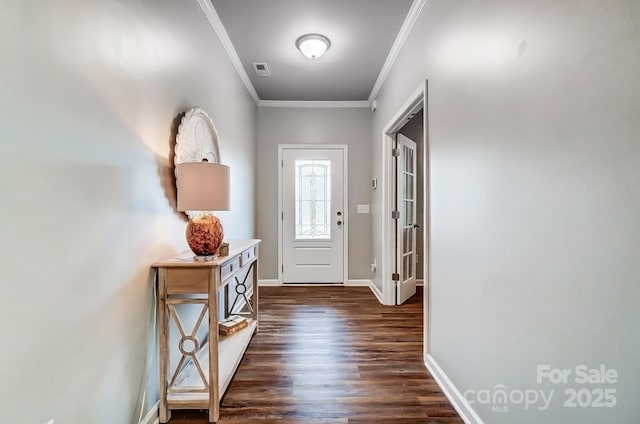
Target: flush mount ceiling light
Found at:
313, 45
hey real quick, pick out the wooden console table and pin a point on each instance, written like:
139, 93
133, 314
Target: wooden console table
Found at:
204, 370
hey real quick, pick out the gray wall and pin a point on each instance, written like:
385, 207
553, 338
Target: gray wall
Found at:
535, 192
314, 126
90, 90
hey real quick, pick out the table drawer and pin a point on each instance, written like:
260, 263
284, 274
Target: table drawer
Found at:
187, 280
248, 256
230, 268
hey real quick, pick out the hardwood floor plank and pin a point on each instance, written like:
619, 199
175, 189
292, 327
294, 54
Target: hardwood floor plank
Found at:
332, 355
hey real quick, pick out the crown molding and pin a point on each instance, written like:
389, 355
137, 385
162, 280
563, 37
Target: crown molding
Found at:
314, 104
407, 26
218, 27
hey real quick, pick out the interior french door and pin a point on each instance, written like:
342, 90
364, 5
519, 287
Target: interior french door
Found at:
313, 216
406, 226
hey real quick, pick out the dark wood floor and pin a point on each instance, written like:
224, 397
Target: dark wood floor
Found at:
332, 355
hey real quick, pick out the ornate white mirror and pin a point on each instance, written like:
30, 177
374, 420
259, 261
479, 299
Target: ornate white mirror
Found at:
197, 138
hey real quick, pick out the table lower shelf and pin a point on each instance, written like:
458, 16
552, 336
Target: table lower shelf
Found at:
230, 351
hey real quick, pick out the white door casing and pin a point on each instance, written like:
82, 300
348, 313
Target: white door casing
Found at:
416, 101
406, 205
313, 216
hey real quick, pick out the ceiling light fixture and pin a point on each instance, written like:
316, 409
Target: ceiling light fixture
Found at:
313, 45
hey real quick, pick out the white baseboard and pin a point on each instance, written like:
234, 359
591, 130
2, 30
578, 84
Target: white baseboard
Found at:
461, 405
420, 283
266, 283
358, 283
377, 293
152, 417
349, 283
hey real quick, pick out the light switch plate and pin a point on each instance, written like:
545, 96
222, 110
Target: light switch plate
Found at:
363, 208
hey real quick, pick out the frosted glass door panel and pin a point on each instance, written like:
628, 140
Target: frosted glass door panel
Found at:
313, 199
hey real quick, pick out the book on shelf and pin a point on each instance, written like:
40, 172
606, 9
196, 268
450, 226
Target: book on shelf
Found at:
232, 324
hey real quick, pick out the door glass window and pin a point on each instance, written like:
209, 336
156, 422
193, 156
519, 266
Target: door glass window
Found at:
313, 199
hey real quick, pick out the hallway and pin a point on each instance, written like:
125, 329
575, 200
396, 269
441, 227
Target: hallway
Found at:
332, 355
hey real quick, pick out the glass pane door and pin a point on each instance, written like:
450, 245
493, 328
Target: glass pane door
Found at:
313, 199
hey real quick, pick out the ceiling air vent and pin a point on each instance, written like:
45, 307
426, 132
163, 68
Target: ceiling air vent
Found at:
262, 70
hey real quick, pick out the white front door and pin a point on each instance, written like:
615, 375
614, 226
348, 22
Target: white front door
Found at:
313, 215
406, 202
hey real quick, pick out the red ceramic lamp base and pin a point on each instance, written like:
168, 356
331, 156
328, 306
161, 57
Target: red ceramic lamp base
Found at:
204, 236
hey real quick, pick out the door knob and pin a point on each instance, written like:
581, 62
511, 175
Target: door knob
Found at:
416, 226
339, 222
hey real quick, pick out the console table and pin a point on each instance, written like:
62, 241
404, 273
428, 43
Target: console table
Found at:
204, 368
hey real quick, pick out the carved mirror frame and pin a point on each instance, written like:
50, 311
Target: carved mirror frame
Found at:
197, 138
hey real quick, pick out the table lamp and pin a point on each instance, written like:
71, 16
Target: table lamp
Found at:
203, 187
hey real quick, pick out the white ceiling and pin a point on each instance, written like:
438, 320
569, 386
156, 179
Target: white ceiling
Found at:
361, 32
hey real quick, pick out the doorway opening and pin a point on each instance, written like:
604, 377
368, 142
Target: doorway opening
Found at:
405, 208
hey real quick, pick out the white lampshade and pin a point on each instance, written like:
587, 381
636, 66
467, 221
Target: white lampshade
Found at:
313, 45
202, 186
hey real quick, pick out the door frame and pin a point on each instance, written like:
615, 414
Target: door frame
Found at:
416, 101
345, 195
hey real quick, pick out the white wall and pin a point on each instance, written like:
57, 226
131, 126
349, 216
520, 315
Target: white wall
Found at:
535, 195
314, 126
89, 91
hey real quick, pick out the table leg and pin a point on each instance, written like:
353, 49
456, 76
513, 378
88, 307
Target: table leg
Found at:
214, 391
254, 298
163, 315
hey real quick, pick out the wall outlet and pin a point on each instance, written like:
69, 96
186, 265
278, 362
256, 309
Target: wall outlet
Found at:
363, 208
373, 265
